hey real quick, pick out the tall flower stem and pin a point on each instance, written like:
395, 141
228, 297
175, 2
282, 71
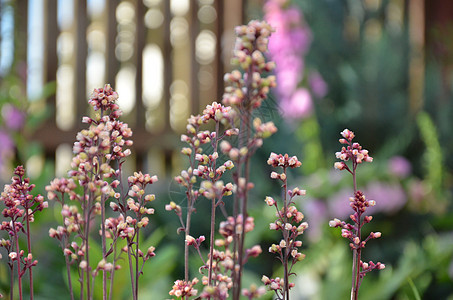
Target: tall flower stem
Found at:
29, 251
11, 281
68, 273
19, 275
354, 152
285, 236
87, 211
244, 168
211, 246
213, 207
104, 248
356, 252
137, 271
131, 269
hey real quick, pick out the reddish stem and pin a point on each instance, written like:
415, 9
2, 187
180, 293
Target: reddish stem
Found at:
19, 275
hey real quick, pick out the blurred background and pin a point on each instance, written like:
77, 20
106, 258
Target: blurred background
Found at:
382, 68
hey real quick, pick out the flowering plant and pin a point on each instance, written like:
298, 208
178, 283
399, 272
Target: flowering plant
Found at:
289, 222
357, 155
20, 208
96, 150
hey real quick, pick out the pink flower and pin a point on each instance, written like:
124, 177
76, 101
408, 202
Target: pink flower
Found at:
298, 106
13, 117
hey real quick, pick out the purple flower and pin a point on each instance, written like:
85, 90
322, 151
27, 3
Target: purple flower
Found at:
317, 85
338, 204
399, 166
13, 117
287, 47
390, 197
299, 105
316, 212
6, 149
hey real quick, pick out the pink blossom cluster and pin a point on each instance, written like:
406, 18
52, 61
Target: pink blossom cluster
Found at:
240, 155
248, 89
203, 178
288, 47
183, 288
104, 98
289, 221
20, 208
100, 150
276, 284
254, 292
353, 232
359, 204
352, 151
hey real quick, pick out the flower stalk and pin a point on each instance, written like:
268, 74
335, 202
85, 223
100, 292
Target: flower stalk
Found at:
290, 222
20, 208
353, 151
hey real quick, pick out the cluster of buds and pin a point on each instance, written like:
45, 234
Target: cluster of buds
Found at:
183, 289
60, 186
218, 113
215, 190
204, 169
215, 292
352, 151
289, 221
104, 98
276, 284
20, 205
239, 155
20, 208
284, 161
249, 89
254, 292
232, 226
196, 242
105, 143
352, 232
359, 204
18, 200
27, 261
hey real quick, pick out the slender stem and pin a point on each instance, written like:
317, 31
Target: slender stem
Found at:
187, 232
19, 276
211, 246
286, 236
244, 194
112, 274
82, 280
68, 273
11, 287
356, 253
29, 251
131, 271
137, 271
87, 248
104, 248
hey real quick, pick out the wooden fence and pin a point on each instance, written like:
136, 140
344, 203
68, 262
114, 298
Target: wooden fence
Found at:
165, 58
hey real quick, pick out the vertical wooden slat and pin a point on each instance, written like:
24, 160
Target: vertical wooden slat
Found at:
81, 57
219, 56
417, 57
21, 33
168, 78
140, 111
139, 46
194, 67
112, 64
168, 69
50, 48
